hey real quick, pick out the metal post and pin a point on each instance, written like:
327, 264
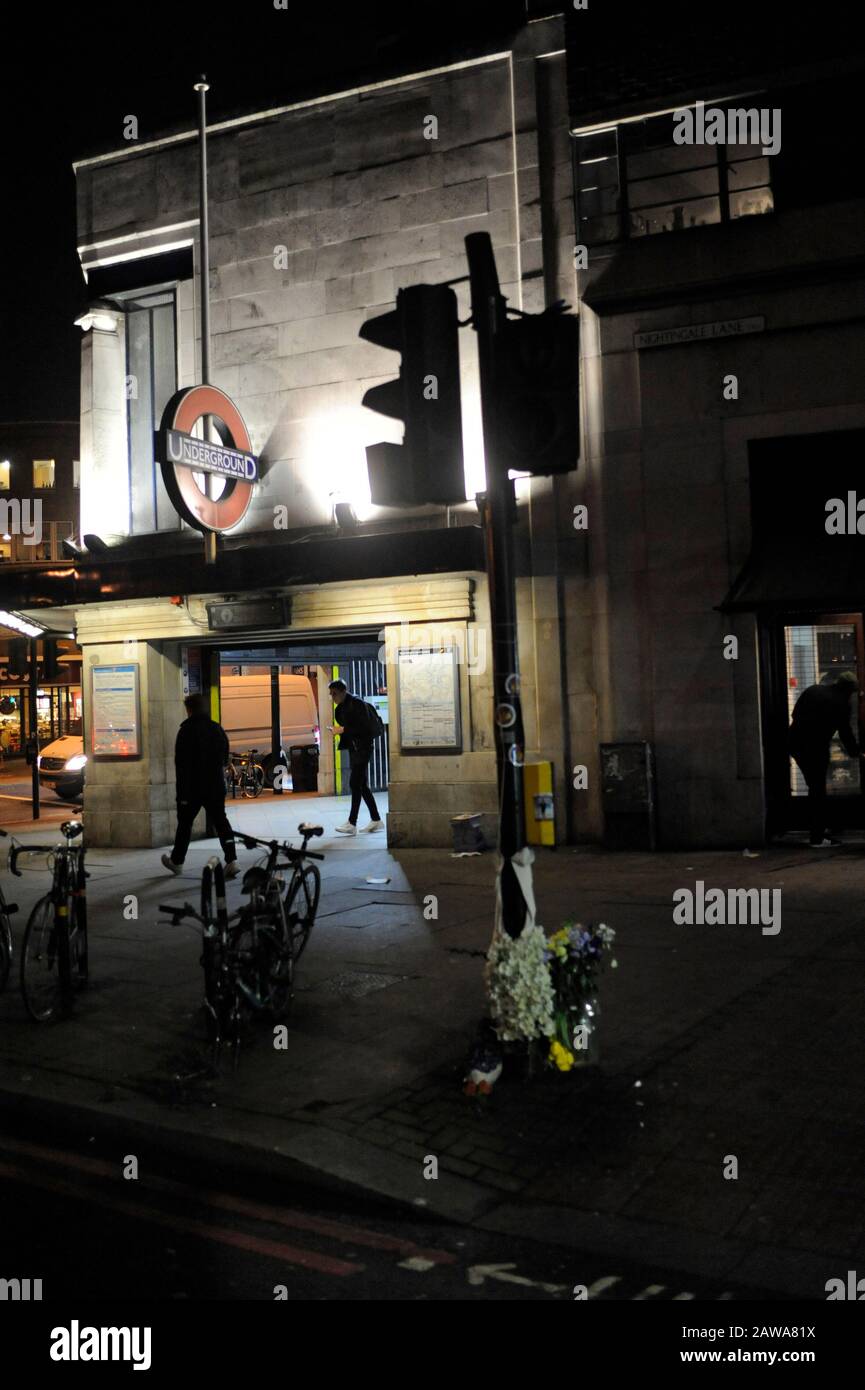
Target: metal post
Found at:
275, 730
202, 87
498, 512
33, 721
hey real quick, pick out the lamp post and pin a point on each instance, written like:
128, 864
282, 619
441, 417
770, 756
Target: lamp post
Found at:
202, 87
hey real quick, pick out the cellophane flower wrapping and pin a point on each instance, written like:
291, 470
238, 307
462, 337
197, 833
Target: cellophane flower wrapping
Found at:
519, 985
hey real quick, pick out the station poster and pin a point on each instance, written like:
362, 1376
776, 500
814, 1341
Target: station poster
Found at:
429, 700
116, 712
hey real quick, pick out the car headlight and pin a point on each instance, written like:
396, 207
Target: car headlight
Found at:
75, 763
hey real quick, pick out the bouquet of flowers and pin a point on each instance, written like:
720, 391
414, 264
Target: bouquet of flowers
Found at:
574, 957
519, 986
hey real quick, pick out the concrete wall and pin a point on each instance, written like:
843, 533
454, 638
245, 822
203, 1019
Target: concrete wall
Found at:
133, 803
667, 475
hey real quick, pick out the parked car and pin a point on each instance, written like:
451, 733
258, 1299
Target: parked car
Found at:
245, 706
61, 766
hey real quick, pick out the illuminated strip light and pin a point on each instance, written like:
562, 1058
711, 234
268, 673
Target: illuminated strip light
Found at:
20, 624
611, 123
275, 111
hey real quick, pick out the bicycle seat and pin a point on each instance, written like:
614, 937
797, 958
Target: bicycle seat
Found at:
71, 828
310, 830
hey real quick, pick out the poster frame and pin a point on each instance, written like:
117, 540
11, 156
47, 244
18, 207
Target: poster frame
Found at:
437, 749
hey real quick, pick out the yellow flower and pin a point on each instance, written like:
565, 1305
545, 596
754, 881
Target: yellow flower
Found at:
563, 1059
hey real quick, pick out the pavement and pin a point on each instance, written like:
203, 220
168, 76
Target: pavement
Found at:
718, 1043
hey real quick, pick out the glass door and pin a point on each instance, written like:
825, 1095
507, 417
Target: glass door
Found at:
799, 651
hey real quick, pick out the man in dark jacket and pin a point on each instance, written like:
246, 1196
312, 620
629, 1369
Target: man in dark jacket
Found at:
355, 735
200, 757
820, 712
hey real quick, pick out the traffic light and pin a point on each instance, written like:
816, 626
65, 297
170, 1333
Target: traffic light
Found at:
538, 392
50, 664
428, 465
19, 657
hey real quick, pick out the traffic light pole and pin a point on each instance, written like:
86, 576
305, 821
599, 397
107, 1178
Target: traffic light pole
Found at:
499, 512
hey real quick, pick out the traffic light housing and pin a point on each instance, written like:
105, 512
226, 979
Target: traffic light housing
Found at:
50, 663
19, 657
537, 390
428, 466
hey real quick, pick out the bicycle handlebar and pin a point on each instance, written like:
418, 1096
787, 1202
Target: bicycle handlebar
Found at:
29, 849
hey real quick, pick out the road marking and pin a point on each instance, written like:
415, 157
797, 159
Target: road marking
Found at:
477, 1274
417, 1263
648, 1292
241, 1206
682, 1296
272, 1249
601, 1284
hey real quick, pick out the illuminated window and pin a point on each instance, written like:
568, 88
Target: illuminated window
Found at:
5, 471
76, 472
43, 472
634, 180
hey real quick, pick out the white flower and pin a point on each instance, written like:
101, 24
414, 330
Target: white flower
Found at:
518, 985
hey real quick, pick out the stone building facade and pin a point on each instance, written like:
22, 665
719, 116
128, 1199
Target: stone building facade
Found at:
319, 213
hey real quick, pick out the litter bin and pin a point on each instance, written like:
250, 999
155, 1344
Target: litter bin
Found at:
304, 767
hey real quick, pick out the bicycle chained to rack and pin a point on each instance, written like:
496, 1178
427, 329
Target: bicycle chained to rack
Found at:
244, 772
54, 962
248, 957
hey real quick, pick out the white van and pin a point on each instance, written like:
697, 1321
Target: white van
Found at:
245, 712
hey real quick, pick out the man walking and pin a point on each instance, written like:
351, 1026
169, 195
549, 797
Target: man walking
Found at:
357, 735
820, 712
200, 757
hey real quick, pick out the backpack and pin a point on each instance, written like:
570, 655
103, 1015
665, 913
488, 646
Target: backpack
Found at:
375, 727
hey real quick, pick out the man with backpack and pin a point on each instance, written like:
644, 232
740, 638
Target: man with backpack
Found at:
359, 727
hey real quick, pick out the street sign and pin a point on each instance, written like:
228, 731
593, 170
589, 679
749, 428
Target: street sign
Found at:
181, 456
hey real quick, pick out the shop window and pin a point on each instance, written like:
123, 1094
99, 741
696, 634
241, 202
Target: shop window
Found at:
151, 380
43, 472
5, 475
633, 180
817, 654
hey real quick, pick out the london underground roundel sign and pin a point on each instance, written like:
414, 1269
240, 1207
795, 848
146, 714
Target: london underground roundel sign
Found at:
185, 460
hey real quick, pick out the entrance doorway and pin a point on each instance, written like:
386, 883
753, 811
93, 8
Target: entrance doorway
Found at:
798, 651
243, 678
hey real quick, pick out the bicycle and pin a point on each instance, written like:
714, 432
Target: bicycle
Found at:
54, 962
248, 959
6, 911
229, 772
303, 890
247, 774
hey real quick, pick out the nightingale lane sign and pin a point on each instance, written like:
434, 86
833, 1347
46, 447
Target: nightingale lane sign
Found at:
699, 332
181, 456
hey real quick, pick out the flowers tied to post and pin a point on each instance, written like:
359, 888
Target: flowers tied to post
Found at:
575, 956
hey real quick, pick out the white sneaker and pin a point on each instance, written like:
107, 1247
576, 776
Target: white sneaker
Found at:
826, 844
373, 825
347, 829
170, 864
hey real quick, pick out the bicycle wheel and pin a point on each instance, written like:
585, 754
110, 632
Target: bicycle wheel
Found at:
5, 948
77, 953
301, 905
253, 780
40, 968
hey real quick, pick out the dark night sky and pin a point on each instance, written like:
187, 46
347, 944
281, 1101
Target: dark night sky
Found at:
77, 71
73, 72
